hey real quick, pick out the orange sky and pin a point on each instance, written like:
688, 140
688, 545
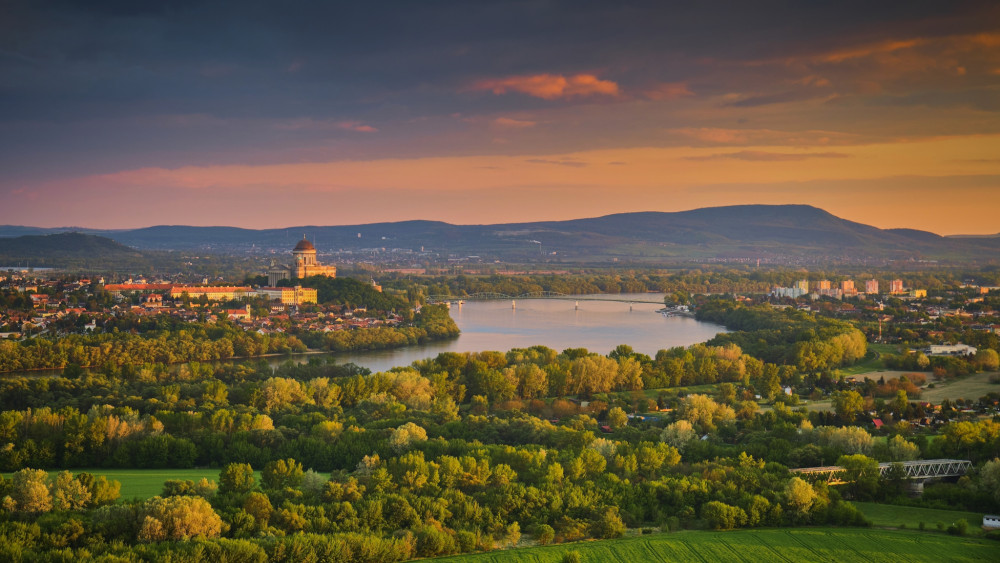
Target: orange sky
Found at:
894, 125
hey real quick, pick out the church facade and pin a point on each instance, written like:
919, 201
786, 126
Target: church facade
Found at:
304, 264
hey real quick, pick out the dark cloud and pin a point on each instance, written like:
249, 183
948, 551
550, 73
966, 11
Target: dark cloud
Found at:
107, 85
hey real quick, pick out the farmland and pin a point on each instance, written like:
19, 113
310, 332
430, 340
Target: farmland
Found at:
803, 544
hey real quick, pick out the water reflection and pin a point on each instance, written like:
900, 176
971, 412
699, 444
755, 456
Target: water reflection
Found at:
558, 324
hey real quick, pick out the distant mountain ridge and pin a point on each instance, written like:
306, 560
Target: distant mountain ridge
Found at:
741, 230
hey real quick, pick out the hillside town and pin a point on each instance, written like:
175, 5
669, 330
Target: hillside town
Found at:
66, 304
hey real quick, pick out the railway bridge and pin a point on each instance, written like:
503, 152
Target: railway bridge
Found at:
918, 471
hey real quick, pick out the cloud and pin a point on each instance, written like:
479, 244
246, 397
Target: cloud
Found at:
668, 91
508, 123
356, 126
549, 86
309, 124
764, 156
573, 163
770, 137
777, 98
862, 51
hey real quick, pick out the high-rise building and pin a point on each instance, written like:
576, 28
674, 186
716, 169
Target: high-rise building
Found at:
847, 286
896, 286
802, 285
823, 284
871, 286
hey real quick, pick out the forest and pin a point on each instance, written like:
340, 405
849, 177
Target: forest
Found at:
461, 452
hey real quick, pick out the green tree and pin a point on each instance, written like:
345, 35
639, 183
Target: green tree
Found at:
179, 518
69, 493
617, 418
544, 534
721, 516
30, 490
679, 434
610, 524
848, 405
799, 496
403, 436
282, 473
862, 475
236, 478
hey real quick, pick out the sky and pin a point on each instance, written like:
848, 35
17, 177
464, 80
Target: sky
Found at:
124, 114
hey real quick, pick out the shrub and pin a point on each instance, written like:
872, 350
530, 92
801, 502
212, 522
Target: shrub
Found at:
959, 528
545, 534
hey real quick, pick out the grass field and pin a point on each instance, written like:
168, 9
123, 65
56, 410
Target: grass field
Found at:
891, 515
872, 362
966, 387
146, 483
796, 544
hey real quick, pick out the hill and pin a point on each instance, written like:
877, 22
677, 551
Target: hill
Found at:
780, 232
66, 250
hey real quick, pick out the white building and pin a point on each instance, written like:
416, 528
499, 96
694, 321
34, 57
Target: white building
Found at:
951, 350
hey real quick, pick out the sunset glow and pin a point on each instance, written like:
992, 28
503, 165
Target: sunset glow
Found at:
891, 118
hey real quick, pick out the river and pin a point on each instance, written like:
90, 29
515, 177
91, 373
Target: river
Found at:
598, 326
559, 324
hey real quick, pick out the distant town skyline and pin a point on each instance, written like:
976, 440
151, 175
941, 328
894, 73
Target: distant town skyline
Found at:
125, 115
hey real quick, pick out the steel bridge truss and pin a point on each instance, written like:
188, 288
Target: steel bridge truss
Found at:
917, 470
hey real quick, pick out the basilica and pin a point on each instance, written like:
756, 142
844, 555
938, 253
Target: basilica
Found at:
303, 265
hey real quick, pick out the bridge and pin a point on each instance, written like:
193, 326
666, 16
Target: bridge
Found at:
539, 295
916, 470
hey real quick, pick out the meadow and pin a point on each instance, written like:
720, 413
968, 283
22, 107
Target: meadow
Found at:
146, 483
790, 545
911, 517
872, 361
971, 386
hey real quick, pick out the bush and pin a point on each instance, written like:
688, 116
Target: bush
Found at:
571, 557
959, 528
545, 534
466, 541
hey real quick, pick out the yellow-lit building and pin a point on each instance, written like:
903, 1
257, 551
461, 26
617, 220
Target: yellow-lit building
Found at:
213, 293
304, 264
297, 295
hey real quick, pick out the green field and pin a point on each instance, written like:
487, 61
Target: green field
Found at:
965, 387
892, 515
146, 483
796, 544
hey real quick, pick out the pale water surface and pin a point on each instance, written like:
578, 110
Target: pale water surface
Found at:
594, 325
